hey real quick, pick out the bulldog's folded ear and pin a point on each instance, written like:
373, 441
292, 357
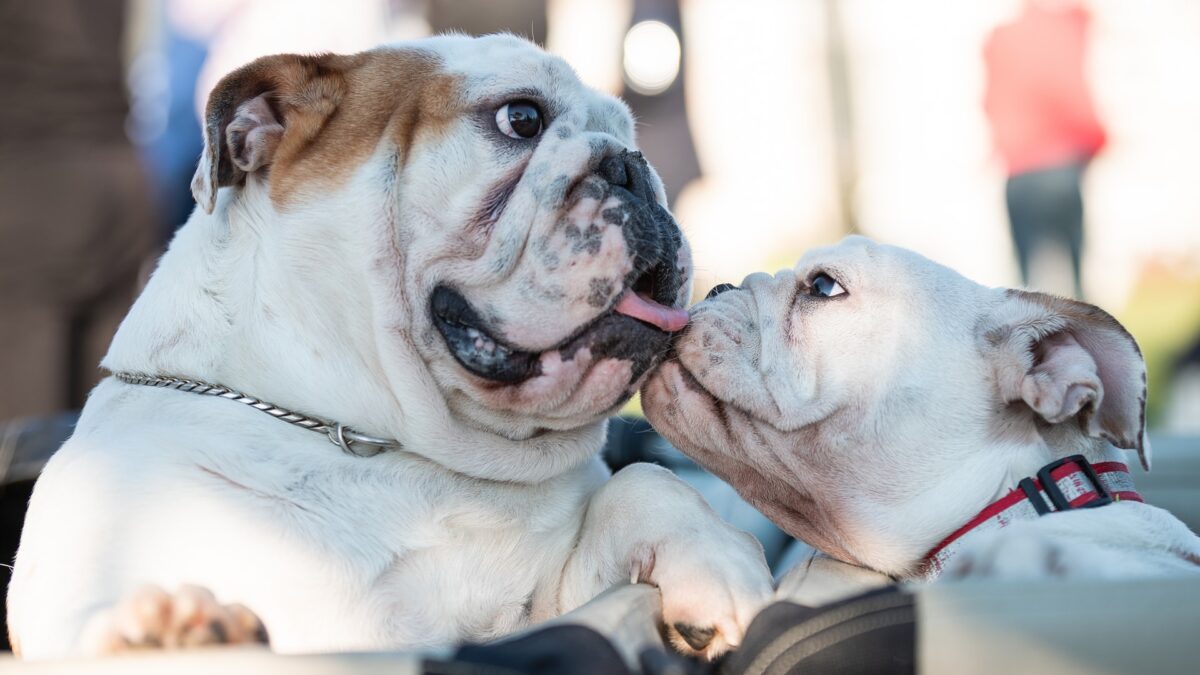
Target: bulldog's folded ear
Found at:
1071, 360
253, 109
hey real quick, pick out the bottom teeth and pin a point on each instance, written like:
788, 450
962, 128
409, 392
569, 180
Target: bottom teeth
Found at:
482, 342
483, 348
472, 346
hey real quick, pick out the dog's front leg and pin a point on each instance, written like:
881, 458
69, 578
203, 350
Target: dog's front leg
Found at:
645, 524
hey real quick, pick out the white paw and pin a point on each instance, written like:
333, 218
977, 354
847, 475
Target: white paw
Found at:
152, 618
1026, 554
712, 585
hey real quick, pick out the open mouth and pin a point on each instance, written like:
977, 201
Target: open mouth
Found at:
637, 328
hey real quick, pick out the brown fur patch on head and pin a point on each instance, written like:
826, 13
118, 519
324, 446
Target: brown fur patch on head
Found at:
397, 94
335, 111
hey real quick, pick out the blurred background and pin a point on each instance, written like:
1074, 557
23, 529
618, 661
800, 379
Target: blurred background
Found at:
1046, 143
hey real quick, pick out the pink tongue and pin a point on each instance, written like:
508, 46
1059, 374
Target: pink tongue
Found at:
645, 309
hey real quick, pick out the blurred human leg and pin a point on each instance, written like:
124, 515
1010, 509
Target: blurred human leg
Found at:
1045, 210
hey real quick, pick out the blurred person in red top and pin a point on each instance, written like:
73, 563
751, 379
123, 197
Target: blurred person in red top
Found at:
1045, 130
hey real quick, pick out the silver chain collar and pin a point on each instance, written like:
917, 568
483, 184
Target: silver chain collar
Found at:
339, 434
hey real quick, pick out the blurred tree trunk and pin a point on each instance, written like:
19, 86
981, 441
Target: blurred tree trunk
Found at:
480, 17
664, 134
842, 115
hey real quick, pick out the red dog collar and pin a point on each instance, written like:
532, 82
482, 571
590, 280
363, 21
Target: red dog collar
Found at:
1063, 485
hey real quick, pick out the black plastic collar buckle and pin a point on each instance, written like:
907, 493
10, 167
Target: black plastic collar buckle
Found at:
1050, 486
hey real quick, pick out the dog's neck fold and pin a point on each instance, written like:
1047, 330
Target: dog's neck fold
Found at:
917, 502
292, 317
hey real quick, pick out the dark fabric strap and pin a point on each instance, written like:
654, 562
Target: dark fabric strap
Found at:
872, 633
555, 650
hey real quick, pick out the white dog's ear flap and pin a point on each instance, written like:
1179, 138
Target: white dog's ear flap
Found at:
249, 112
1071, 360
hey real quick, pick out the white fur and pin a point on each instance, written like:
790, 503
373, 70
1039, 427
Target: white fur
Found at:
876, 423
498, 513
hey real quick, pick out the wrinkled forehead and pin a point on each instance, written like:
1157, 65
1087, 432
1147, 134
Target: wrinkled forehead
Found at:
494, 69
862, 264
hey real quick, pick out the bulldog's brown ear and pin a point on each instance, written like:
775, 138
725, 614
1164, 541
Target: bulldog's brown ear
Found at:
1067, 359
253, 109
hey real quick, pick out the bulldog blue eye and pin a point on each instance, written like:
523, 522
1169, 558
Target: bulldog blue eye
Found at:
519, 119
824, 286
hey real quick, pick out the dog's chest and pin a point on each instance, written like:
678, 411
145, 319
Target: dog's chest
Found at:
333, 552
432, 560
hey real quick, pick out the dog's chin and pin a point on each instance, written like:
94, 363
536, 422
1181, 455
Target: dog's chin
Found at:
680, 407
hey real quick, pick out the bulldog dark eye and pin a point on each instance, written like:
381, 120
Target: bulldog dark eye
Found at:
519, 119
824, 286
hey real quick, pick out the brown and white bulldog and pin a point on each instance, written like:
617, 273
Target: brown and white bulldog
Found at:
448, 259
901, 417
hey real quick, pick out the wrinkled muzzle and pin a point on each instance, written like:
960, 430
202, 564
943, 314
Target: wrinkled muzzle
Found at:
614, 254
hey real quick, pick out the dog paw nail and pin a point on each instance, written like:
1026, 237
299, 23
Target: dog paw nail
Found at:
696, 637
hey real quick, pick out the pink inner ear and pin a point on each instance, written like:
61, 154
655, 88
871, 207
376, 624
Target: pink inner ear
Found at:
1086, 364
1120, 417
1065, 382
253, 135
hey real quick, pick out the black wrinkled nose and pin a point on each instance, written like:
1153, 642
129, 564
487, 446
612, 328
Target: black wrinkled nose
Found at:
612, 169
719, 289
651, 234
628, 170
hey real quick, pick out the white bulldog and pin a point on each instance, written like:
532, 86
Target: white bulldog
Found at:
897, 416
447, 254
